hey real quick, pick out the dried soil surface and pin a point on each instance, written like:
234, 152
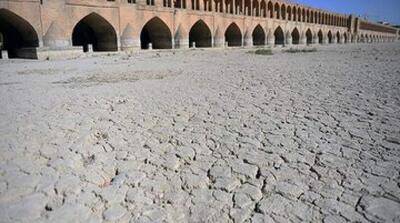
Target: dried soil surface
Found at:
203, 136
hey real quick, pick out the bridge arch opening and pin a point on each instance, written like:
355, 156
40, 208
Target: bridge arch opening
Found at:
270, 9
156, 32
16, 34
263, 8
289, 13
233, 35
277, 11
298, 19
295, 36
309, 36
283, 12
200, 34
338, 37
258, 36
320, 37
330, 37
256, 9
279, 36
95, 30
294, 14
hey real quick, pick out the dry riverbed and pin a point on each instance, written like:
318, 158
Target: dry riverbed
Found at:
203, 136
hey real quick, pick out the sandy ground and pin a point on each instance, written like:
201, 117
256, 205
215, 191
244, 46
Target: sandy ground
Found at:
203, 136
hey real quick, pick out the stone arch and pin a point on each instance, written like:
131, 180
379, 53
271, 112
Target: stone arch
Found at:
270, 9
319, 18
258, 36
320, 37
309, 36
156, 32
289, 13
279, 36
303, 15
95, 30
207, 5
313, 16
256, 8
277, 11
263, 7
295, 36
294, 13
330, 37
299, 14
200, 33
17, 34
247, 5
283, 12
233, 35
218, 5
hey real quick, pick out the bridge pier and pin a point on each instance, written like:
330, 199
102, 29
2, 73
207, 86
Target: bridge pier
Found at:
129, 40
334, 40
4, 54
219, 42
315, 39
325, 40
288, 39
270, 38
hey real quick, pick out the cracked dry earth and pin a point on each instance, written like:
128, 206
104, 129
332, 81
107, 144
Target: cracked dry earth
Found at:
203, 136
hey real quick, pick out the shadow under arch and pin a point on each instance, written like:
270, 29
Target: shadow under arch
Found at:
258, 36
18, 36
233, 35
309, 37
156, 32
320, 37
96, 30
329, 37
279, 36
338, 37
295, 36
200, 34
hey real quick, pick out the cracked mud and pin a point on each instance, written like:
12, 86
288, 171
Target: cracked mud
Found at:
203, 136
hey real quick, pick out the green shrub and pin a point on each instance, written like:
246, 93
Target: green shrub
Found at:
304, 50
263, 52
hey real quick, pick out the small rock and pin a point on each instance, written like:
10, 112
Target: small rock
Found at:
114, 213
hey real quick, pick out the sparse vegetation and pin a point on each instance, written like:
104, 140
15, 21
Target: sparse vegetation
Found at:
304, 50
262, 52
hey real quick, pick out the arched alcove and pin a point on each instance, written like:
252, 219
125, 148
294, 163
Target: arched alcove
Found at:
233, 35
258, 36
95, 30
17, 35
279, 36
156, 32
200, 34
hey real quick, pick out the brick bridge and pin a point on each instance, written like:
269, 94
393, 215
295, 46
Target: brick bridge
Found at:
31, 28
